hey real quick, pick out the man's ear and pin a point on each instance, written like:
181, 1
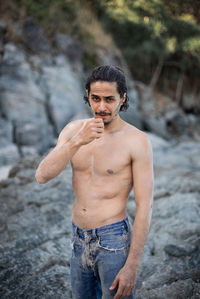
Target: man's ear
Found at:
123, 99
87, 95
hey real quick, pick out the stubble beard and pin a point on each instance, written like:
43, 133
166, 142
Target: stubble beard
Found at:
115, 114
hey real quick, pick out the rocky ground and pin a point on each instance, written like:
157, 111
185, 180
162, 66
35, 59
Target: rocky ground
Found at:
35, 229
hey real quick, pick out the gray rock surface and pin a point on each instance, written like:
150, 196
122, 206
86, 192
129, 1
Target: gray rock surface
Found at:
164, 117
35, 234
71, 48
170, 267
32, 35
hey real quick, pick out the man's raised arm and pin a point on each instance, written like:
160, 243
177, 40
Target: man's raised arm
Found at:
72, 137
58, 158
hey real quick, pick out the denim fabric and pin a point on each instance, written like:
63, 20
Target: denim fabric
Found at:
97, 257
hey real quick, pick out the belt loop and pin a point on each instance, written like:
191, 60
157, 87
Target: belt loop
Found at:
126, 220
76, 230
96, 232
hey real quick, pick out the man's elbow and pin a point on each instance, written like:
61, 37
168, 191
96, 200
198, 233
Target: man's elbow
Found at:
40, 179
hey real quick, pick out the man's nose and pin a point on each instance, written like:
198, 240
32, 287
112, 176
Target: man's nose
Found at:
102, 105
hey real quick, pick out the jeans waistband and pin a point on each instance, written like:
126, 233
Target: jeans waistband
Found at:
124, 223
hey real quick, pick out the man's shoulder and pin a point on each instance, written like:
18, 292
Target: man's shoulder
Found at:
136, 138
133, 132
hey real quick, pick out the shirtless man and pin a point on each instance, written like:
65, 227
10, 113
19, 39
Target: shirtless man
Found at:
108, 157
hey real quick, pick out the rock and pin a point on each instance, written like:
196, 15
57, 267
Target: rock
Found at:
178, 289
156, 125
22, 102
190, 102
162, 116
176, 250
32, 254
30, 150
63, 85
158, 142
4, 171
2, 26
177, 122
6, 131
9, 154
2, 32
34, 37
72, 48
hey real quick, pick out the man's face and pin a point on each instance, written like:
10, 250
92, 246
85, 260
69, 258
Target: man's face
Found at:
105, 100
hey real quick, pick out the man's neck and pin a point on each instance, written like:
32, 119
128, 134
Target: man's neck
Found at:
114, 125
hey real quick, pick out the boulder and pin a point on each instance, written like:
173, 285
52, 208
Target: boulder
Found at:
71, 48
64, 89
22, 102
35, 234
2, 32
9, 153
32, 35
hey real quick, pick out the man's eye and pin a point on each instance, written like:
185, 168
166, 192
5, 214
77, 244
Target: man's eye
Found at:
95, 99
109, 99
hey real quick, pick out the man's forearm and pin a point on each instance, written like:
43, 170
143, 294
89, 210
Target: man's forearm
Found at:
57, 160
139, 235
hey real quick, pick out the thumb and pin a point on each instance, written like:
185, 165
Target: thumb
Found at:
114, 284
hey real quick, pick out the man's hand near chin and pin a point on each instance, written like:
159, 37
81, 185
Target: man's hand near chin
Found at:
125, 281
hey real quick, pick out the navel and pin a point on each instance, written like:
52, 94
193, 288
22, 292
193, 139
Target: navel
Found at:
110, 171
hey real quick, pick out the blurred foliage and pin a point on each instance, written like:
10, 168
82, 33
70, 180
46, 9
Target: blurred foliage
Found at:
53, 15
60, 16
148, 31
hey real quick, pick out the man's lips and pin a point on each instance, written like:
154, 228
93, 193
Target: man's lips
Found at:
102, 114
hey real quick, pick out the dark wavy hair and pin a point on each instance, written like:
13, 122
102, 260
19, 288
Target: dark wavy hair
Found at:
109, 73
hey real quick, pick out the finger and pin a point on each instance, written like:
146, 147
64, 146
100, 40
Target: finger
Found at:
100, 130
119, 293
100, 126
98, 135
98, 120
126, 292
114, 284
97, 130
129, 291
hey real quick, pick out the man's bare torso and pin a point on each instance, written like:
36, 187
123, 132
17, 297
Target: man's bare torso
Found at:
102, 178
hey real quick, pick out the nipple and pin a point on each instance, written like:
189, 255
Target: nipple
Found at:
110, 171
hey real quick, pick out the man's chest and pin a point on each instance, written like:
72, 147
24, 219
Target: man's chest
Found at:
102, 157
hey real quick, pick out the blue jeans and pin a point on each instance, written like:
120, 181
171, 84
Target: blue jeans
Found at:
97, 257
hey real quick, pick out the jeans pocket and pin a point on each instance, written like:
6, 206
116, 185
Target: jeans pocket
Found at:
114, 241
